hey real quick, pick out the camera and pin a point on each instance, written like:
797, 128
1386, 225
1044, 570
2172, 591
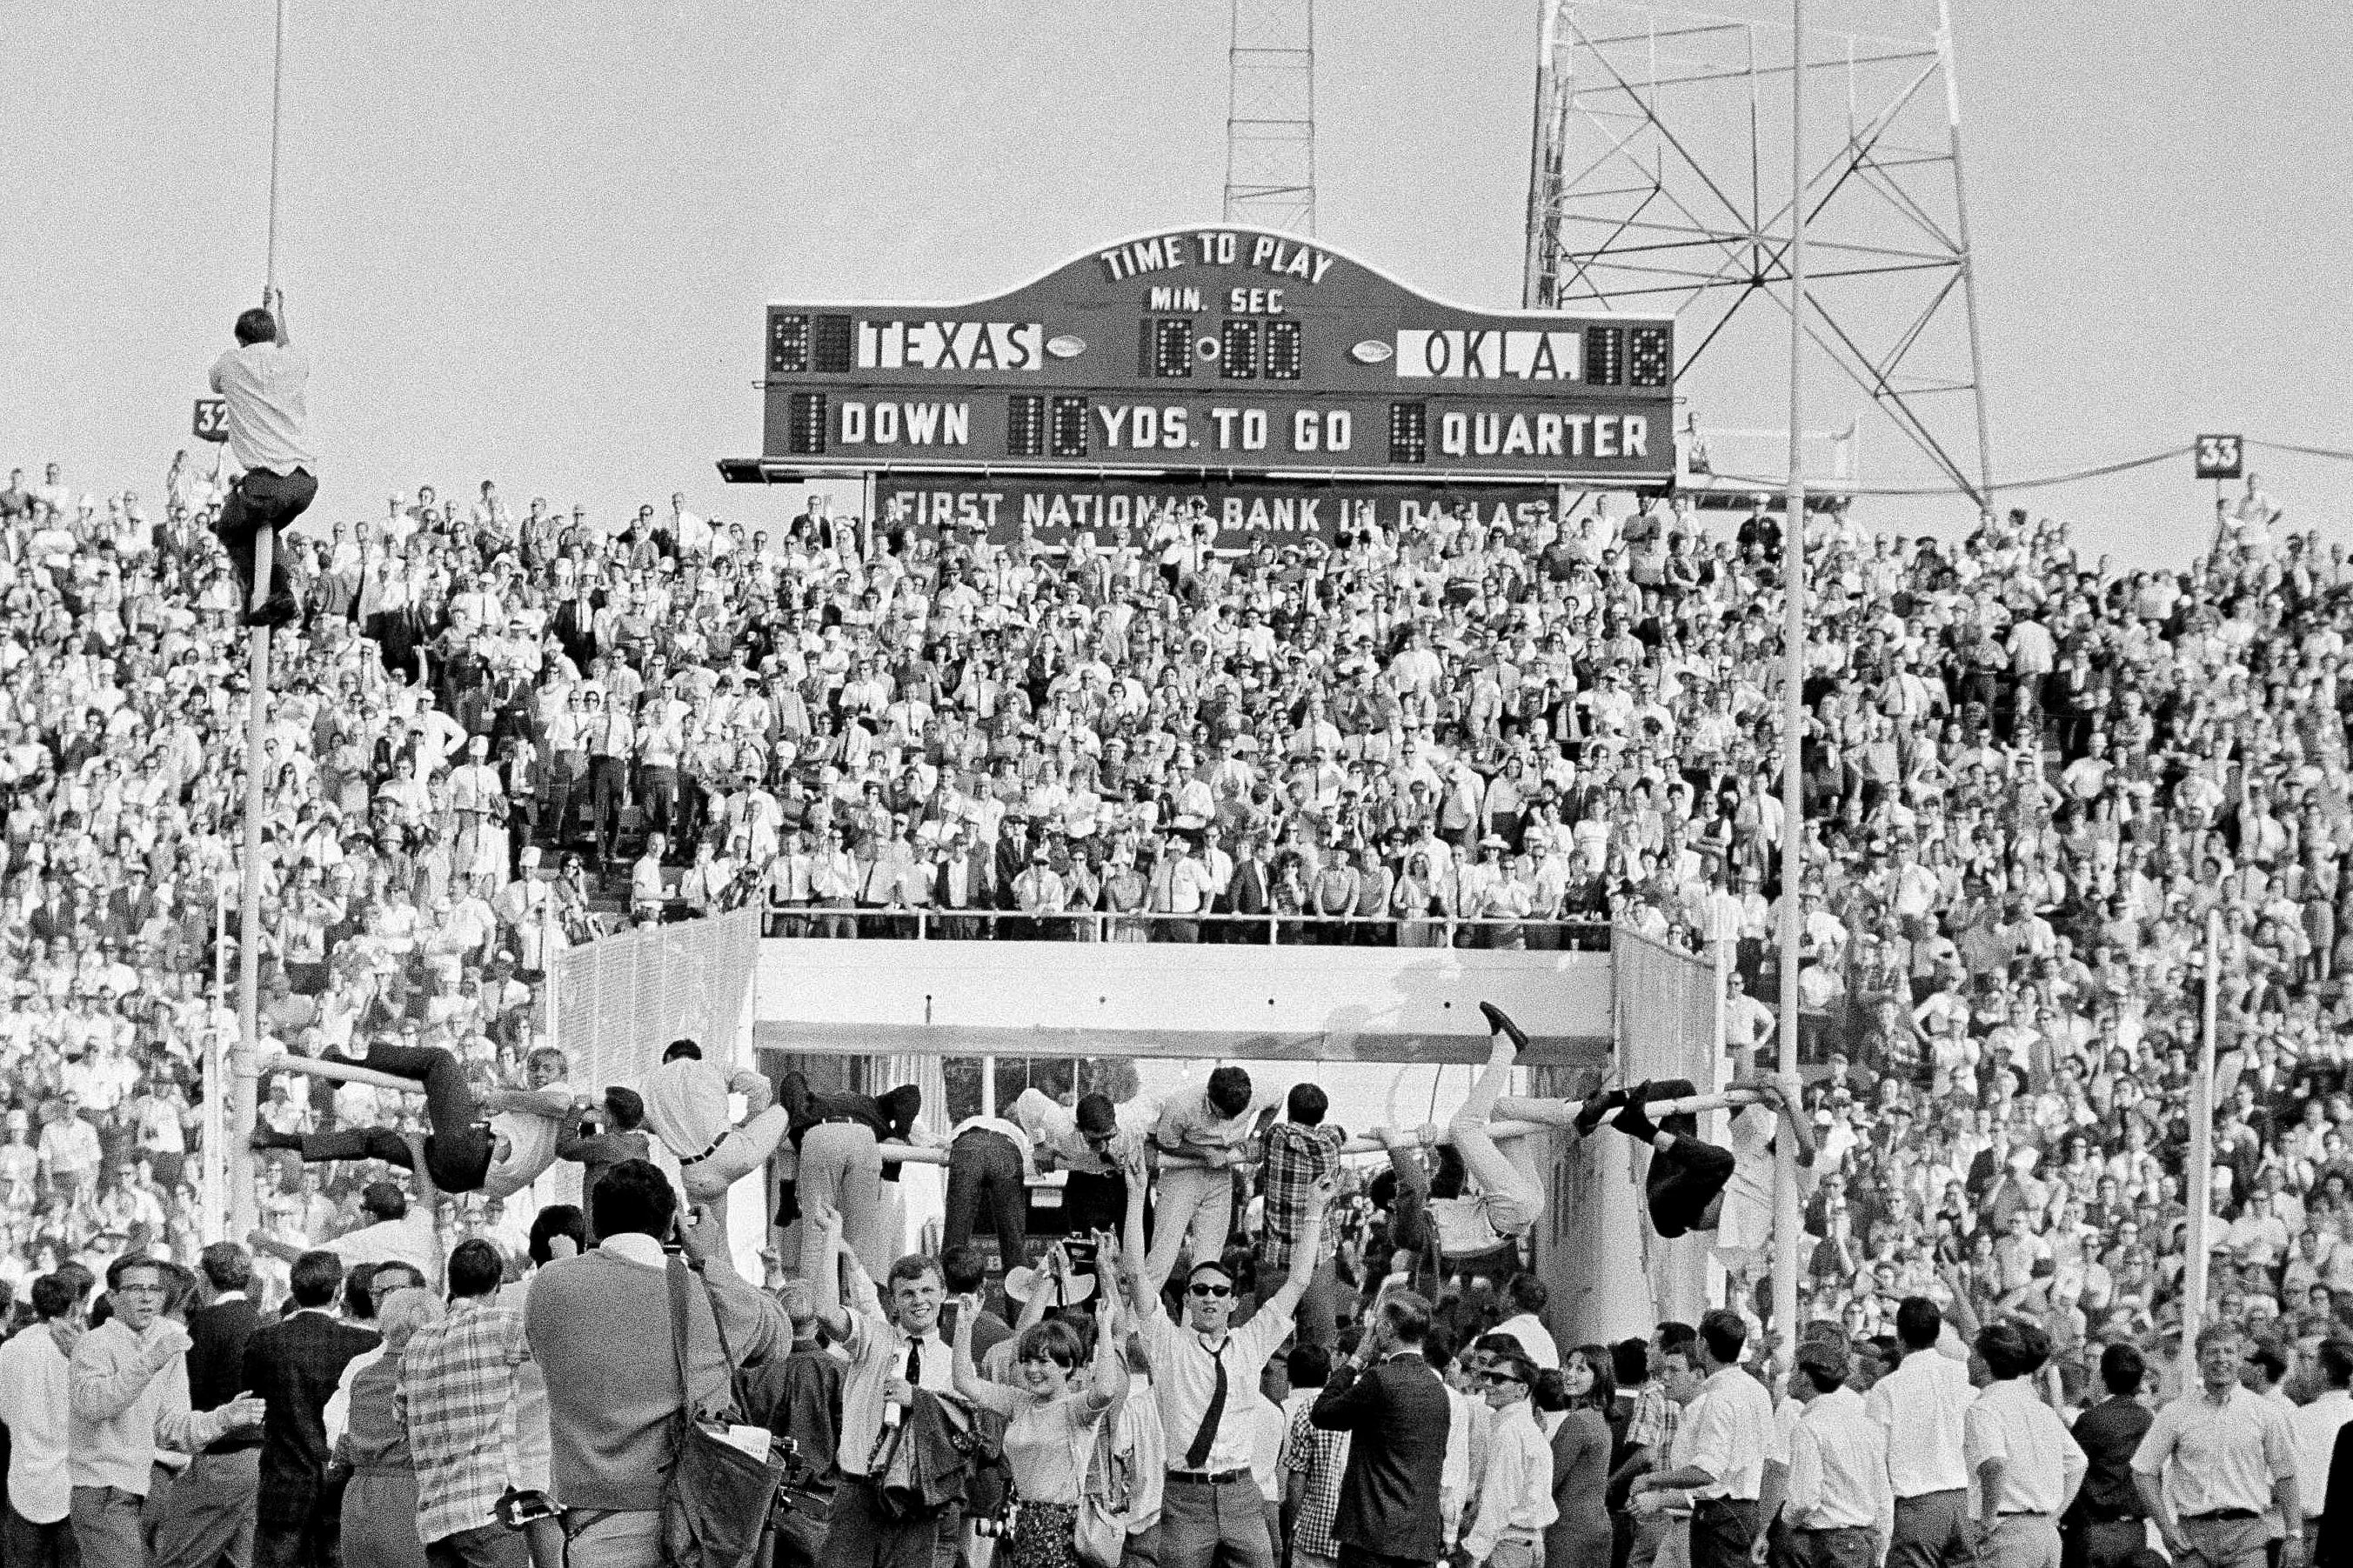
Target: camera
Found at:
1000, 1524
516, 1508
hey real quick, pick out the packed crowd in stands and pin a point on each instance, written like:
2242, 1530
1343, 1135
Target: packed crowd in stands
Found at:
2032, 782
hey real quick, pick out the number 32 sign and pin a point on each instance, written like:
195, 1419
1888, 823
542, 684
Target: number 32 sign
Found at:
2219, 457
212, 419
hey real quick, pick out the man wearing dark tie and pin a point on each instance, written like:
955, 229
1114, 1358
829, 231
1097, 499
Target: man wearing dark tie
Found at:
1395, 1410
1205, 1375
208, 1517
1253, 890
963, 884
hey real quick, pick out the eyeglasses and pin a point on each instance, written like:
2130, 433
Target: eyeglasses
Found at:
1209, 1290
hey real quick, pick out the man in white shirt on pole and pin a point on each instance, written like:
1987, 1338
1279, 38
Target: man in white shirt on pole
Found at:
2215, 1459
264, 381
2316, 1427
2026, 1465
37, 1533
1732, 1433
1840, 1508
1920, 1405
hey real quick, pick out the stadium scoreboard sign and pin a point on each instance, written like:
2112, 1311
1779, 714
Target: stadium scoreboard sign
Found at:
1217, 351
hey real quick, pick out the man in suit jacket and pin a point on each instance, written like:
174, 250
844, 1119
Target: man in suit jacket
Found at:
295, 1365
208, 1517
1252, 887
1395, 1409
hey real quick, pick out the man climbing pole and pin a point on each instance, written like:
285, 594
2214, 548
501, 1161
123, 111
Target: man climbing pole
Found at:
264, 380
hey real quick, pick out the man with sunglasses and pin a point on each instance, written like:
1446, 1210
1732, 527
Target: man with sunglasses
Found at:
1205, 1377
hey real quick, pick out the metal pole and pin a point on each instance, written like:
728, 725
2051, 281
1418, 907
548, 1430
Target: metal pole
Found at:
1793, 705
2201, 1159
1540, 158
214, 1169
1969, 257
244, 1210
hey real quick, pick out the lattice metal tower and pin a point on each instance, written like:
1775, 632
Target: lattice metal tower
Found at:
1270, 116
1658, 182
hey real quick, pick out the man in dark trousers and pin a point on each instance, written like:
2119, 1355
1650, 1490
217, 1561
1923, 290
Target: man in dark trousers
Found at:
2107, 1526
457, 1153
295, 1365
263, 380
207, 1518
1394, 1408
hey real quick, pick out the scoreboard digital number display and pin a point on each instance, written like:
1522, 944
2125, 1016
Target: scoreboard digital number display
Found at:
1217, 351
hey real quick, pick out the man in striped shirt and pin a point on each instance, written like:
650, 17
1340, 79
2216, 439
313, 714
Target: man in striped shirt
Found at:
457, 1397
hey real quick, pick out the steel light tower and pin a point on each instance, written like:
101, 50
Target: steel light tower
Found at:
1270, 116
1658, 182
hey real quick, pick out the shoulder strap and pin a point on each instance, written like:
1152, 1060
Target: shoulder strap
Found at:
678, 1311
718, 1323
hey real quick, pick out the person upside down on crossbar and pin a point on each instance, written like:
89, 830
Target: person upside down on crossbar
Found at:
1694, 1184
465, 1152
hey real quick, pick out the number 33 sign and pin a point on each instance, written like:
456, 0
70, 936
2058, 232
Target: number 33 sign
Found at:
212, 420
2219, 457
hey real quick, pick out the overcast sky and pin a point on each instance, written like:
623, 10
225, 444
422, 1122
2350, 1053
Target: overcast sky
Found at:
531, 241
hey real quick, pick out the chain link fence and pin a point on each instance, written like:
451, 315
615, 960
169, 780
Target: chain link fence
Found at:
1666, 1025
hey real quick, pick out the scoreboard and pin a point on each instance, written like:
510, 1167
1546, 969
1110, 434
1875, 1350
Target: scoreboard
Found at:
1217, 351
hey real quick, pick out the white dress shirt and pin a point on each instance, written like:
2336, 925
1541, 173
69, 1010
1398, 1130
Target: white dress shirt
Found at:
2217, 1456
2315, 1427
1920, 1406
1732, 1434
33, 1384
1185, 1375
2041, 1466
1515, 1487
1837, 1467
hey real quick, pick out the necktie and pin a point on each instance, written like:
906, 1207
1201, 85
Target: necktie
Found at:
1198, 1457
914, 1364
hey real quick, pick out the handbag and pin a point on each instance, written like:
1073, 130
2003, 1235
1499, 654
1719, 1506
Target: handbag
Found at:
1098, 1529
716, 1498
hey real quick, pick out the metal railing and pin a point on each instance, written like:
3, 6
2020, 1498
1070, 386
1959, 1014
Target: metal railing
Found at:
846, 922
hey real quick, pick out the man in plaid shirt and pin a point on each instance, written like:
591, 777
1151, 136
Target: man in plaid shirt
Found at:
1299, 1153
1313, 1463
457, 1397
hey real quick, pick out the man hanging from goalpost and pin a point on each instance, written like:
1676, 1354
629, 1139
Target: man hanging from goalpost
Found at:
497, 1142
1691, 1185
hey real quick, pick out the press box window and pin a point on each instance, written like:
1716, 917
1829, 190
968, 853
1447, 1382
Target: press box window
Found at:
1168, 347
1070, 427
1408, 433
804, 429
831, 352
1025, 425
788, 344
1237, 351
